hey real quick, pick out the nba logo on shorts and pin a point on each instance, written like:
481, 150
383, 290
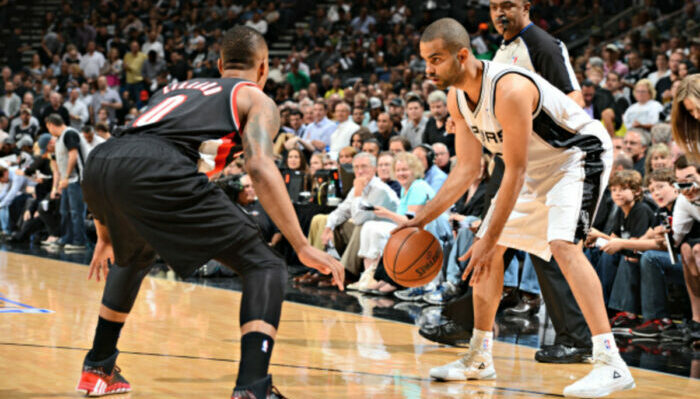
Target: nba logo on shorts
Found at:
264, 346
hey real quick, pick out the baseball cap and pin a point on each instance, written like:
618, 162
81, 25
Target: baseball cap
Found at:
375, 103
612, 47
43, 142
396, 102
25, 141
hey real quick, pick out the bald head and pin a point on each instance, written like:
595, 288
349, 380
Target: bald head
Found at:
452, 33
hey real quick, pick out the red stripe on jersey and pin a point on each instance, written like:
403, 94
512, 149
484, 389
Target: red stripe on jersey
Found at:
234, 104
222, 153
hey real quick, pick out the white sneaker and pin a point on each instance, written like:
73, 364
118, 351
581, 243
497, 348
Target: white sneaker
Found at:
475, 365
610, 374
366, 279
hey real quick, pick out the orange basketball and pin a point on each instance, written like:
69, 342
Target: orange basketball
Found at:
412, 257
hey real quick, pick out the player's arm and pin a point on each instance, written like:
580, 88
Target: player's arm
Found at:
578, 97
261, 123
462, 174
516, 98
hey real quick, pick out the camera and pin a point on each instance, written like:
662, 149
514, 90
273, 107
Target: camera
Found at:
231, 185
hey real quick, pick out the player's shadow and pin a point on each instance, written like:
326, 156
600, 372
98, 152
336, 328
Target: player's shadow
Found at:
222, 378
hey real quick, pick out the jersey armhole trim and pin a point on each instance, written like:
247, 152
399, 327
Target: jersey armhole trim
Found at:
234, 104
504, 73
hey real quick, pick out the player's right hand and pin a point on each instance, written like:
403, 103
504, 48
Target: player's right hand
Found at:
102, 258
324, 263
409, 223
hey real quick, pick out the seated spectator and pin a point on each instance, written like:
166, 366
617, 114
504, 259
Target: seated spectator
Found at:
599, 104
396, 113
295, 160
344, 129
433, 175
656, 269
399, 144
658, 157
248, 200
435, 131
686, 220
385, 130
372, 146
442, 157
414, 125
374, 235
319, 132
12, 198
346, 155
26, 126
636, 143
344, 224
646, 111
632, 223
91, 138
385, 171
103, 131
359, 137
375, 108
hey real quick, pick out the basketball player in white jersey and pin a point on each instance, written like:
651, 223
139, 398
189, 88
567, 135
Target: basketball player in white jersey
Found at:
557, 163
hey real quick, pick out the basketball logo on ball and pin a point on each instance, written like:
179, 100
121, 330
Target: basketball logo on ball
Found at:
412, 257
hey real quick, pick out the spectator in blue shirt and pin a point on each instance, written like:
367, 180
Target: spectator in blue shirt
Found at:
318, 133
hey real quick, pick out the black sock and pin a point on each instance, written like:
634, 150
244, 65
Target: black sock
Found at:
105, 343
256, 349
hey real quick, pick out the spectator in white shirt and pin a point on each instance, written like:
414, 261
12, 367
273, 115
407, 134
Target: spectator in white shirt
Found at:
645, 112
346, 127
91, 138
153, 44
92, 61
77, 110
257, 23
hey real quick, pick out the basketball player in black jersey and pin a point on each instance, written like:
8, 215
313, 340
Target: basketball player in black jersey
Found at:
149, 192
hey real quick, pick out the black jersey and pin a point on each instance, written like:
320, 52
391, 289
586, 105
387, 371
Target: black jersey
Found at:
536, 50
199, 116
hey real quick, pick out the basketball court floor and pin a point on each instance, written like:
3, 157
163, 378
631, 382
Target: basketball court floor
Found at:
182, 341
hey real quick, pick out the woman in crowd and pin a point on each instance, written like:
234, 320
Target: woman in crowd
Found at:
645, 112
415, 193
295, 160
658, 157
346, 154
113, 67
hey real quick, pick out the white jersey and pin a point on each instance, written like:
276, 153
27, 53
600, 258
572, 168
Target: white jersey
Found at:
558, 122
568, 164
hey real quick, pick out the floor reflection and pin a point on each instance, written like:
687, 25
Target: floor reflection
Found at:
671, 358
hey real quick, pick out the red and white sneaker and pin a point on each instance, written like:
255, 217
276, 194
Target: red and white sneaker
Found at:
95, 382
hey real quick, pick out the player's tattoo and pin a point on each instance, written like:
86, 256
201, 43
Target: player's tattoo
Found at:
259, 129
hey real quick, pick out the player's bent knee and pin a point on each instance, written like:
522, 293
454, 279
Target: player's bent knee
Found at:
263, 293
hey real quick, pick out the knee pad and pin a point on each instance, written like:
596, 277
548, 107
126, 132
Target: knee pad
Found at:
263, 294
122, 286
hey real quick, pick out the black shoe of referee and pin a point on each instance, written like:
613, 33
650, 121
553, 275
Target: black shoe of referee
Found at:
449, 333
560, 353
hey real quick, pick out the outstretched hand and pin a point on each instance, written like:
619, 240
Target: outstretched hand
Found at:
324, 263
102, 259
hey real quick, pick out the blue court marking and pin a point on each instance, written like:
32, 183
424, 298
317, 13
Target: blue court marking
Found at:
20, 307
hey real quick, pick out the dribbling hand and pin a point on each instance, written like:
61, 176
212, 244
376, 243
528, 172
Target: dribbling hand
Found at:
409, 223
324, 263
102, 258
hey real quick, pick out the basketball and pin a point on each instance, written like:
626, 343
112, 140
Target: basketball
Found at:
412, 257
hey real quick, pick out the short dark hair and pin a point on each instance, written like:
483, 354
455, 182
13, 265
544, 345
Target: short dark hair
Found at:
404, 141
660, 175
414, 99
450, 31
102, 127
627, 179
682, 163
86, 129
296, 112
372, 141
54, 119
241, 47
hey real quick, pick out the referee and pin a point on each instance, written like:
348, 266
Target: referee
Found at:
528, 46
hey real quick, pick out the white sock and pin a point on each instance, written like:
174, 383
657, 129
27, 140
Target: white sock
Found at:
481, 340
604, 343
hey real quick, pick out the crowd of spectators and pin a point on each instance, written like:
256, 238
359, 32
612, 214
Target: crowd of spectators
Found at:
352, 94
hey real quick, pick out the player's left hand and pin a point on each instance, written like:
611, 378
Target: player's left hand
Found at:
324, 263
102, 259
479, 255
